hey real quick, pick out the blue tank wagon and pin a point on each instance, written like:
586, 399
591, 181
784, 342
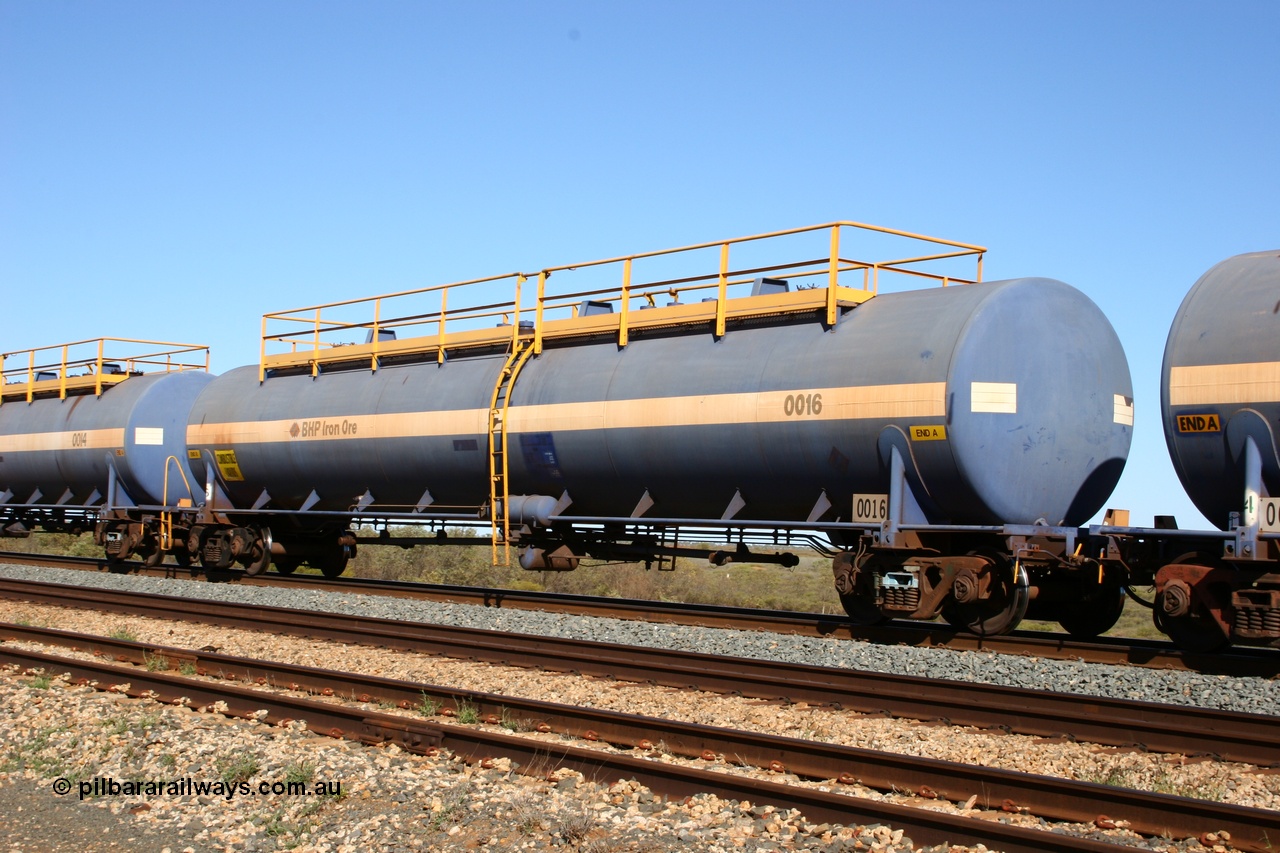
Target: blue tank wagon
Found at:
941, 444
1220, 402
948, 440
94, 431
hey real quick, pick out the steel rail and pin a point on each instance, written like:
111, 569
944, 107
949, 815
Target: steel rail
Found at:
1047, 797
536, 757
1258, 663
1250, 738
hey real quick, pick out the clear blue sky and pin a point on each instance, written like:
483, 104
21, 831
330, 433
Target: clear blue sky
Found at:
172, 170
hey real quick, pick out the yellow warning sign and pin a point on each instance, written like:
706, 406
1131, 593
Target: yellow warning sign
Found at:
193, 454
1199, 423
228, 465
929, 433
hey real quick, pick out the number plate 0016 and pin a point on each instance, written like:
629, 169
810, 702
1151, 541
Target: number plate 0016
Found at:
870, 508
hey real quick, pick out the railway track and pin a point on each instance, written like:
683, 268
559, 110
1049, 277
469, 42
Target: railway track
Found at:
1245, 662
993, 789
1161, 728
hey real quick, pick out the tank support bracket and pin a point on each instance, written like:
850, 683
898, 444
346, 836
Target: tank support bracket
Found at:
903, 507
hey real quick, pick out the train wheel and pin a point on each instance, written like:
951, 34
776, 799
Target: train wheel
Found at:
856, 589
259, 553
331, 565
285, 566
258, 564
153, 559
1003, 608
861, 611
1191, 633
1183, 619
1096, 614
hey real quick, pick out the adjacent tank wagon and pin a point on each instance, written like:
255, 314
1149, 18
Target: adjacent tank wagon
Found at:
1220, 402
1220, 387
98, 428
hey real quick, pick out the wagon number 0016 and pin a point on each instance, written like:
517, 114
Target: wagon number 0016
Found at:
870, 508
799, 405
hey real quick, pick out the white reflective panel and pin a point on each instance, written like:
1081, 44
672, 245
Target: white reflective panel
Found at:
999, 397
153, 436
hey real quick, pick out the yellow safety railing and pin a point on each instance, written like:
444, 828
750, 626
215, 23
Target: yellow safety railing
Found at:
314, 338
91, 365
826, 272
841, 263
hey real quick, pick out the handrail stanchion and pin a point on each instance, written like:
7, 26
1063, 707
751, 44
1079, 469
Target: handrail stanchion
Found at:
537, 317
722, 286
315, 356
833, 276
377, 311
62, 375
97, 381
515, 319
444, 306
625, 307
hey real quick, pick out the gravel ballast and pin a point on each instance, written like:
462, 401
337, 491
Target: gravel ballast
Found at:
1248, 695
394, 801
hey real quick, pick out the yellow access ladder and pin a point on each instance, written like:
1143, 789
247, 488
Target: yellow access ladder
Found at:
499, 493
166, 514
